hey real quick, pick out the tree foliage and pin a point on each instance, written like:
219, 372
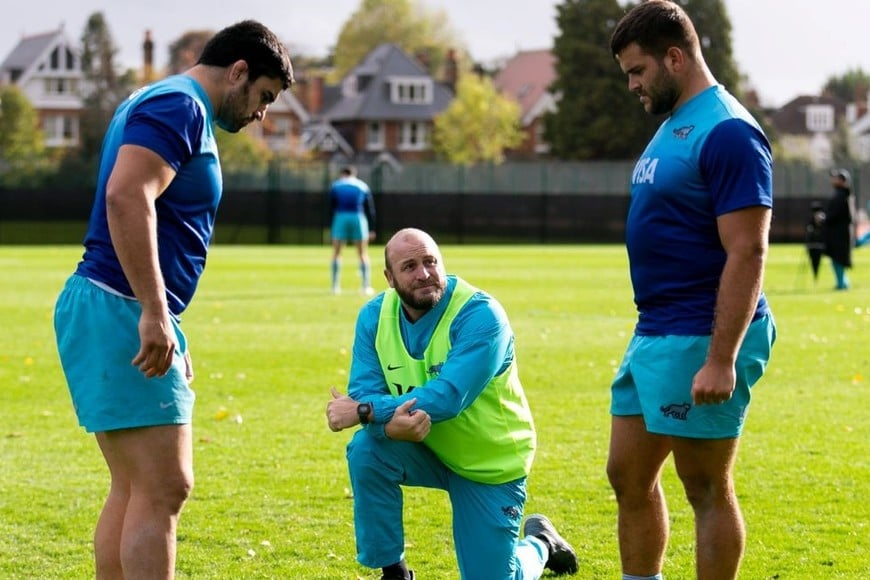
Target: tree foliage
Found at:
185, 51
242, 153
22, 148
406, 23
597, 117
105, 87
478, 125
853, 85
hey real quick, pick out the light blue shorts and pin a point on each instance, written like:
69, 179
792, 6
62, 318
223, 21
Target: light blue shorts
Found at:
97, 338
655, 380
350, 227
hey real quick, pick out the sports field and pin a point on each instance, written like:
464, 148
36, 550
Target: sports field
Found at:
271, 498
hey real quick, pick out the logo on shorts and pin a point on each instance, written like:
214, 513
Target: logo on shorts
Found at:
166, 405
511, 512
676, 411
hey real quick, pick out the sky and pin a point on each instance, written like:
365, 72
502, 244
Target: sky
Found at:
787, 48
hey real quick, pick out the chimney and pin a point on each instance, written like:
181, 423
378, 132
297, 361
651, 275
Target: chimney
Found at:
148, 58
422, 57
451, 70
315, 94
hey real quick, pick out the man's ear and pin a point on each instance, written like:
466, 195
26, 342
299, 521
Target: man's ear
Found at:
238, 71
675, 59
389, 276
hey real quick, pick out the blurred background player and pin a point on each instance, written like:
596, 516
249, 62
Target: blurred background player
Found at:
352, 213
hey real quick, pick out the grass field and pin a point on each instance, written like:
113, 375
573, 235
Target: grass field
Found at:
271, 497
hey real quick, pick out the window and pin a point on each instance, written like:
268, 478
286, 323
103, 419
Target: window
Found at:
60, 130
414, 136
820, 118
374, 136
411, 90
349, 87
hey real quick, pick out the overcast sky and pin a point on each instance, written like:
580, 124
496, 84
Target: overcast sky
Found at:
787, 47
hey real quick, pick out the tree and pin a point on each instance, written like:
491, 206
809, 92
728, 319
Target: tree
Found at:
850, 87
478, 125
105, 87
184, 52
597, 117
406, 23
22, 149
242, 153
714, 31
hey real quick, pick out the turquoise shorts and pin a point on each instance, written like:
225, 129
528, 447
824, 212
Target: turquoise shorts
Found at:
350, 227
97, 338
655, 380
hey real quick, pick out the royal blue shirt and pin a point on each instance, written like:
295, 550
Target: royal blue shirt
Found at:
352, 195
173, 118
709, 158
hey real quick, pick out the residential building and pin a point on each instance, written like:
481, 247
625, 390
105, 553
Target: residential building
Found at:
383, 109
526, 78
807, 128
47, 68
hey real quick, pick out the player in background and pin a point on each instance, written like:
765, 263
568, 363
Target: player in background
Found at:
352, 214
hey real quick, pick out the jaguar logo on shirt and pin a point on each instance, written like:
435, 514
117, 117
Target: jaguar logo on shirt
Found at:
683, 132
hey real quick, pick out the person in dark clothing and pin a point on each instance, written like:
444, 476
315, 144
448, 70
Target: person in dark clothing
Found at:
839, 226
814, 236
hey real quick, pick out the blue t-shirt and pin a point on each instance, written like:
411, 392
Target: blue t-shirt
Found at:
351, 195
709, 158
173, 118
482, 346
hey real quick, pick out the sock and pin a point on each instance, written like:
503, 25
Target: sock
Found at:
365, 273
336, 268
397, 570
631, 577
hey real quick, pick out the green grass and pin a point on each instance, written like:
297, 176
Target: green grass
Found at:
271, 498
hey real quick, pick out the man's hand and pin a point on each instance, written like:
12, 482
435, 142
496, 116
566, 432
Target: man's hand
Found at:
713, 384
341, 411
156, 345
407, 424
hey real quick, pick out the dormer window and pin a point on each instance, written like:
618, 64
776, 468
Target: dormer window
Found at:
411, 90
349, 87
820, 118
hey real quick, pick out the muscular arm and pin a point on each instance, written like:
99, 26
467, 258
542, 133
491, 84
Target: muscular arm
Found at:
744, 235
138, 178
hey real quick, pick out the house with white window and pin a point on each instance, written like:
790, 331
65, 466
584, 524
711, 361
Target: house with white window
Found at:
47, 68
384, 107
807, 127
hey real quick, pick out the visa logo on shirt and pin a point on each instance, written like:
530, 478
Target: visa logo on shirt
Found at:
644, 171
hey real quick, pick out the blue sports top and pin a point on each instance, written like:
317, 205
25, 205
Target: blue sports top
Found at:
709, 158
482, 347
351, 195
173, 118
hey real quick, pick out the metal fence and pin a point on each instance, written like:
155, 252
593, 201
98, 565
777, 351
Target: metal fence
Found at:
513, 202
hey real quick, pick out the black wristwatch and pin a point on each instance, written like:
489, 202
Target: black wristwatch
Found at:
363, 410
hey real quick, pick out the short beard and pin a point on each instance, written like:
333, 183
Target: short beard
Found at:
426, 304
664, 93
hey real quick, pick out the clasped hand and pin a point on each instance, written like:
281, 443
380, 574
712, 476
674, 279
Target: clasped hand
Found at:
406, 424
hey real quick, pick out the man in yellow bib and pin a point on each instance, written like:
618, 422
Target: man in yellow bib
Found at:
434, 384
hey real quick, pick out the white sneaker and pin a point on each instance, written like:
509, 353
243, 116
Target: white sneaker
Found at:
336, 290
368, 291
